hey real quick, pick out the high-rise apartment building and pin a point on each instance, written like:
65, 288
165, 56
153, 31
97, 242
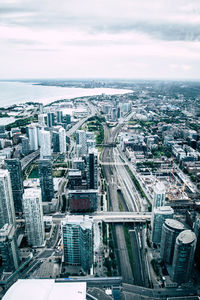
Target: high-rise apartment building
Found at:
81, 140
32, 205
33, 137
25, 146
55, 142
50, 119
59, 116
8, 248
77, 236
92, 169
15, 169
62, 140
7, 210
41, 120
159, 195
170, 230
183, 256
45, 142
159, 216
46, 179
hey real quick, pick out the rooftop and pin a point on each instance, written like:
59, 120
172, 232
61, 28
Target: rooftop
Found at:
45, 289
174, 224
186, 237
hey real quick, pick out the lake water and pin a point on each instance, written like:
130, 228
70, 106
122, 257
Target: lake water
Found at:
20, 92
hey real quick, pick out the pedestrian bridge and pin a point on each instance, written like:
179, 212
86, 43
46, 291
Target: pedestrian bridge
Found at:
122, 217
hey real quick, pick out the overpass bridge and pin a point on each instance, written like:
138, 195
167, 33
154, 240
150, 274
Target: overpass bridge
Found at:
113, 217
27, 160
122, 217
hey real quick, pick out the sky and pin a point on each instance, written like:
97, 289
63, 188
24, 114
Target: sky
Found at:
127, 39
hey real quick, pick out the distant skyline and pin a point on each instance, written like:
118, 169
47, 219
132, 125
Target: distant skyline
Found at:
126, 39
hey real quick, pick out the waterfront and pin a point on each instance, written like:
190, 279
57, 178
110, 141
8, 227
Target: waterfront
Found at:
20, 92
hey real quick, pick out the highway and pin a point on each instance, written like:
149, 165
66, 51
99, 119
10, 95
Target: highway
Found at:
116, 175
121, 249
29, 159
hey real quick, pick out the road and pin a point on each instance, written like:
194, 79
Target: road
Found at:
117, 175
109, 171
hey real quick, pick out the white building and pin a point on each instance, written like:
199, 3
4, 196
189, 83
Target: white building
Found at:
7, 210
33, 214
45, 142
33, 137
41, 119
62, 140
46, 289
82, 141
159, 194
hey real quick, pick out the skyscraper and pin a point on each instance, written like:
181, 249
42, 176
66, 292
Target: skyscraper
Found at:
50, 119
55, 141
183, 256
159, 216
45, 141
25, 146
159, 195
7, 210
46, 179
41, 119
15, 169
77, 236
59, 116
81, 140
197, 233
33, 137
170, 230
33, 214
8, 248
92, 169
62, 140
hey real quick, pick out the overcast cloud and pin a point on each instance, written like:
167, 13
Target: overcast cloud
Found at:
100, 38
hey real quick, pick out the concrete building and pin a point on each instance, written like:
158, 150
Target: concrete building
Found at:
170, 230
62, 140
15, 169
77, 236
46, 289
183, 256
8, 248
159, 194
159, 216
7, 210
45, 142
33, 137
92, 169
46, 179
33, 214
83, 200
